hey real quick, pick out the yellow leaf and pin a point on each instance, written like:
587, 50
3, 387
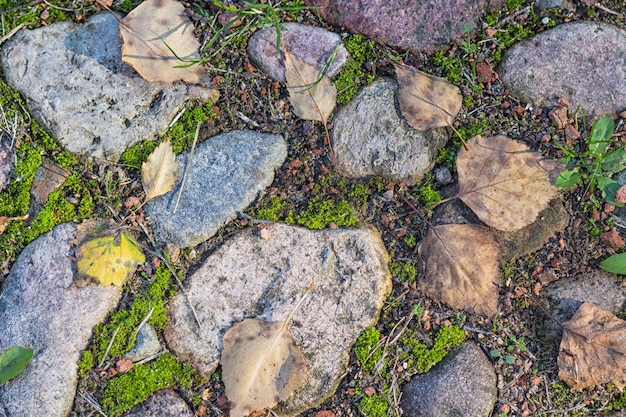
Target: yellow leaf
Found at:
109, 259
150, 33
311, 98
159, 172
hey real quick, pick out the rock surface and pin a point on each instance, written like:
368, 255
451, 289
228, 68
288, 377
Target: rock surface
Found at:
462, 384
250, 276
227, 173
581, 61
7, 160
417, 25
42, 310
164, 403
310, 44
146, 344
370, 137
76, 85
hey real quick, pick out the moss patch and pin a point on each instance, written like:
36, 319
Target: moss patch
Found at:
367, 350
420, 357
374, 406
354, 74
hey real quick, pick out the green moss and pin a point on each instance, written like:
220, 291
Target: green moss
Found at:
514, 4
367, 351
428, 195
360, 49
130, 389
451, 67
410, 240
374, 406
321, 212
403, 271
358, 195
274, 210
85, 363
422, 358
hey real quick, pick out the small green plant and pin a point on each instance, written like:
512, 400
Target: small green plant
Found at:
597, 164
514, 343
467, 45
13, 361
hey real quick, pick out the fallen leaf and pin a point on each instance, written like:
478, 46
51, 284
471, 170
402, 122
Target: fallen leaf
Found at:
13, 361
461, 267
261, 365
124, 365
503, 182
426, 101
593, 349
159, 172
157, 39
612, 239
108, 258
312, 98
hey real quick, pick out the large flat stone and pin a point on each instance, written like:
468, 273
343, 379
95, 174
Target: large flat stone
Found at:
41, 309
77, 86
265, 277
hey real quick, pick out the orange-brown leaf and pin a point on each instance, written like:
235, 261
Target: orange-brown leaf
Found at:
426, 101
461, 267
593, 349
503, 182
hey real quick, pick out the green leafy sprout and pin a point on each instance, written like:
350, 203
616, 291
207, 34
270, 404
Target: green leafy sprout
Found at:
467, 45
13, 361
513, 344
597, 164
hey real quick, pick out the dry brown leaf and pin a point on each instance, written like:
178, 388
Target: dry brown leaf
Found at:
426, 101
462, 267
147, 32
261, 365
159, 172
312, 99
593, 349
503, 182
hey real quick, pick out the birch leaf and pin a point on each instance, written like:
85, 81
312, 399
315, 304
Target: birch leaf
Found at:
461, 267
159, 172
261, 365
426, 101
155, 35
593, 349
503, 182
312, 99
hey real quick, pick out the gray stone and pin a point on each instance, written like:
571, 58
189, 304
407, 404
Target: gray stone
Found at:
555, 4
41, 309
146, 344
310, 44
585, 62
370, 137
76, 85
417, 25
7, 159
462, 384
227, 173
264, 275
164, 403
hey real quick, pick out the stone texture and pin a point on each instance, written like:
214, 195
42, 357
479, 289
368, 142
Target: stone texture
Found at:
146, 344
417, 25
265, 277
227, 173
585, 62
164, 403
42, 310
76, 85
312, 45
7, 159
462, 384
370, 137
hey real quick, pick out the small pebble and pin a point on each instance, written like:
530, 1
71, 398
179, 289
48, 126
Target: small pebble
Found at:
443, 176
545, 20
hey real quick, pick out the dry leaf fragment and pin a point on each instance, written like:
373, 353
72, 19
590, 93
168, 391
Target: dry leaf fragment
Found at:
150, 33
426, 101
261, 365
503, 182
312, 99
462, 267
159, 172
593, 349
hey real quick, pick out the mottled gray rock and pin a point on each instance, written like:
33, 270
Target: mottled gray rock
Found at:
7, 159
146, 344
553, 4
370, 137
584, 62
76, 85
462, 384
164, 403
312, 45
42, 310
265, 277
417, 25
227, 173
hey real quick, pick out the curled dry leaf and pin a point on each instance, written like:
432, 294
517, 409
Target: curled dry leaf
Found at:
462, 267
159, 172
503, 182
593, 349
261, 365
426, 101
312, 98
157, 38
